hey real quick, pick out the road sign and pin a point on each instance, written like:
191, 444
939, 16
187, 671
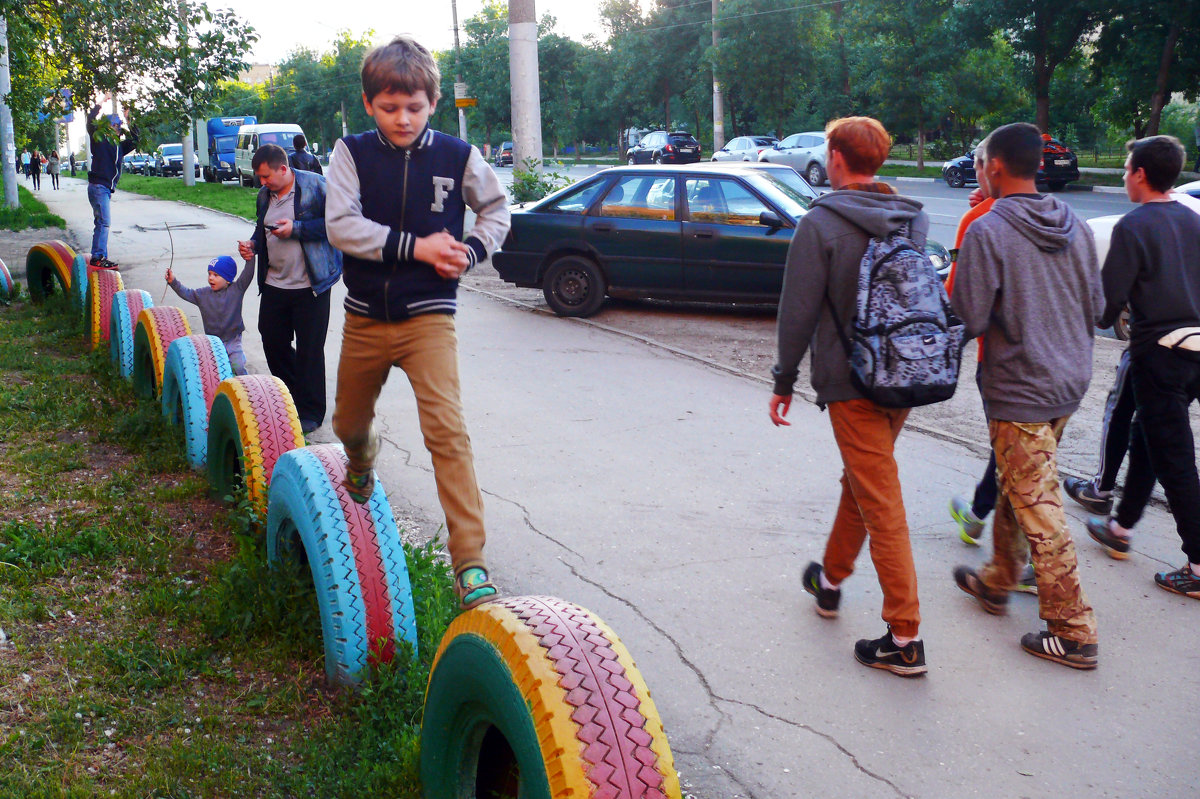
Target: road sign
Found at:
461, 92
465, 102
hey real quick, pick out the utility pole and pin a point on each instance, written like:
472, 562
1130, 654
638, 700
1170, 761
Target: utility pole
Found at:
189, 153
8, 141
718, 101
462, 112
526, 92
345, 126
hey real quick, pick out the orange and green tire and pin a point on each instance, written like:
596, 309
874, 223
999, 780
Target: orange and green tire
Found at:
156, 328
253, 421
536, 697
48, 263
102, 285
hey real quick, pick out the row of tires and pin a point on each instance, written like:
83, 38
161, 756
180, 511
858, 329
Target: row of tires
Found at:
532, 697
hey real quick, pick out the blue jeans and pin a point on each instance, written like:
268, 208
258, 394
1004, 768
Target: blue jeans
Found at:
101, 199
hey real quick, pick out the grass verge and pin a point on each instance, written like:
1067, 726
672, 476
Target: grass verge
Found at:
148, 648
30, 213
228, 197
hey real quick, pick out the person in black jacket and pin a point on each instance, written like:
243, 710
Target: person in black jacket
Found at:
104, 173
302, 158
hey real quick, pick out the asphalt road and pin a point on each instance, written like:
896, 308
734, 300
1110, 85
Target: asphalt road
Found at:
649, 486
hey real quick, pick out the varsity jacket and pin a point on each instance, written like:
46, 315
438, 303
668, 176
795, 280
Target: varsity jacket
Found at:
382, 198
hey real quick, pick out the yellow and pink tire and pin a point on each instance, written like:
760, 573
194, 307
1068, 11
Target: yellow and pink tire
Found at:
252, 423
156, 328
538, 693
102, 286
48, 264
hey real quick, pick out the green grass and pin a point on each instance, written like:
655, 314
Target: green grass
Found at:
152, 649
30, 211
899, 170
228, 197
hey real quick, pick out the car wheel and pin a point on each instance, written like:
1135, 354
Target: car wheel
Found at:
658, 159
1056, 185
574, 286
1121, 326
631, 160
954, 179
814, 174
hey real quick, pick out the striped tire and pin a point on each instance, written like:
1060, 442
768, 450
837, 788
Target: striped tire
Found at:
253, 422
126, 305
354, 552
156, 328
558, 686
196, 365
8, 289
79, 283
46, 263
103, 284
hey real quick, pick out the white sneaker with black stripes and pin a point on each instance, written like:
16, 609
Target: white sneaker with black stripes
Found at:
1061, 650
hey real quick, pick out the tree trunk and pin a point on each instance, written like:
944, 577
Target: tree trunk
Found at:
1161, 95
1042, 73
920, 145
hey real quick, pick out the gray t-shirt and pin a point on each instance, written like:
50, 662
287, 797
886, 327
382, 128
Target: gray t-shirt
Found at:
285, 256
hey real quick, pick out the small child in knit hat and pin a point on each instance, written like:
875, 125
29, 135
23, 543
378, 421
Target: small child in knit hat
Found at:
221, 304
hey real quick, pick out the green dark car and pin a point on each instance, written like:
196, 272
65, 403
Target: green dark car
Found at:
706, 232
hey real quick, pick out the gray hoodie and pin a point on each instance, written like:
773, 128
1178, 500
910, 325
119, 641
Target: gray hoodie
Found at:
824, 257
1029, 282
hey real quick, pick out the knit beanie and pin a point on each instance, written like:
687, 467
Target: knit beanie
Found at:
224, 266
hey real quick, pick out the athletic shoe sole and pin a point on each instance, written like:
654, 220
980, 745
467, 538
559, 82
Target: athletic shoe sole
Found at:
1101, 536
1172, 589
900, 671
1082, 665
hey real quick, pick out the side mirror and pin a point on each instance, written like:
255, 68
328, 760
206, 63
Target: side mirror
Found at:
770, 219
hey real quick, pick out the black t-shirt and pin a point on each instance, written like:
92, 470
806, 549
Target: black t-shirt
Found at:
1153, 264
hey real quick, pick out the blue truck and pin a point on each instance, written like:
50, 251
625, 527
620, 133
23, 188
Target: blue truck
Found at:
215, 140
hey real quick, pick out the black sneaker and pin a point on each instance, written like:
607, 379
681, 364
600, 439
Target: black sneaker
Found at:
1181, 581
882, 653
1084, 492
1100, 528
828, 599
1061, 650
994, 602
1027, 580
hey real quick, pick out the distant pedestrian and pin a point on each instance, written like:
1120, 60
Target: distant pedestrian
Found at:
302, 158
1152, 268
52, 167
35, 169
1032, 291
221, 304
72, 164
104, 173
25, 160
821, 275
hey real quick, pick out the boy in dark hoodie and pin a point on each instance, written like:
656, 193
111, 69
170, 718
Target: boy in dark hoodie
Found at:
822, 268
1033, 292
103, 175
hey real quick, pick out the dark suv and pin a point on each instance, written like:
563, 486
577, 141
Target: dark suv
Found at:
660, 147
1059, 167
504, 154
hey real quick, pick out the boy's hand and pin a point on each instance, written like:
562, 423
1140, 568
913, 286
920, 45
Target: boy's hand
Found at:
246, 250
778, 408
976, 197
447, 255
283, 229
170, 275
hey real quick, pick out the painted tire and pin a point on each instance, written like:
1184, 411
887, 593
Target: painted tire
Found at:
156, 328
79, 283
102, 285
354, 552
126, 305
8, 288
558, 686
46, 263
253, 422
196, 365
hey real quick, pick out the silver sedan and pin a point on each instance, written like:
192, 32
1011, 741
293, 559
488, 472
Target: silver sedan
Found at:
803, 152
745, 148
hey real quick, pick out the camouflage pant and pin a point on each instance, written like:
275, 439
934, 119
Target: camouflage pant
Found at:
1030, 502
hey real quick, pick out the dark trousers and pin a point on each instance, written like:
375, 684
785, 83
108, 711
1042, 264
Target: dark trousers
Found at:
285, 315
1116, 430
37, 178
984, 501
1165, 382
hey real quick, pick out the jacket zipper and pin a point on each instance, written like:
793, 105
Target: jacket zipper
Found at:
403, 209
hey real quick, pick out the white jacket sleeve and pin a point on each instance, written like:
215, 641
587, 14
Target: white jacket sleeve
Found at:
486, 197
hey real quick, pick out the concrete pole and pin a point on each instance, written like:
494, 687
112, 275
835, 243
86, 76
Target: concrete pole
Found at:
462, 112
718, 101
8, 138
345, 126
523, 77
189, 152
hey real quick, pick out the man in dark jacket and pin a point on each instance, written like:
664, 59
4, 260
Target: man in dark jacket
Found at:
302, 158
822, 273
110, 143
296, 268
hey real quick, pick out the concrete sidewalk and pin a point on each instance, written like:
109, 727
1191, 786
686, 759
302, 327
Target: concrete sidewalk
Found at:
652, 489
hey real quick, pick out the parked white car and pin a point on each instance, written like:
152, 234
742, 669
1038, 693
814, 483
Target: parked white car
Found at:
803, 152
251, 137
745, 148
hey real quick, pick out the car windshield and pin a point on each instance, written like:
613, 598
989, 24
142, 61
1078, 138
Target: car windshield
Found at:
172, 149
788, 191
685, 138
225, 142
576, 200
764, 140
284, 140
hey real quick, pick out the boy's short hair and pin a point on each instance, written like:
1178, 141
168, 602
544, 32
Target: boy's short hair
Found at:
1019, 145
299, 142
402, 65
863, 142
1161, 157
981, 151
272, 155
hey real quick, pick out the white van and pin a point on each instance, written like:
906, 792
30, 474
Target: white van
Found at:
251, 137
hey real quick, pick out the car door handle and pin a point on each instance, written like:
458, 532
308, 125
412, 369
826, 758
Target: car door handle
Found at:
602, 227
704, 234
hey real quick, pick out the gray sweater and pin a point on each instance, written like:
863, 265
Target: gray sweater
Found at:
1028, 281
221, 311
824, 257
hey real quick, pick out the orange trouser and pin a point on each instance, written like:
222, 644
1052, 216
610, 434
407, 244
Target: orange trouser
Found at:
872, 507
426, 348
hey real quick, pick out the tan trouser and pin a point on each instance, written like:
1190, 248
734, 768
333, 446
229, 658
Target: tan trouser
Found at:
1030, 503
426, 348
872, 507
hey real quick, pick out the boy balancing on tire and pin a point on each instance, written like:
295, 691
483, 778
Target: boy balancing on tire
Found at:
221, 304
395, 205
